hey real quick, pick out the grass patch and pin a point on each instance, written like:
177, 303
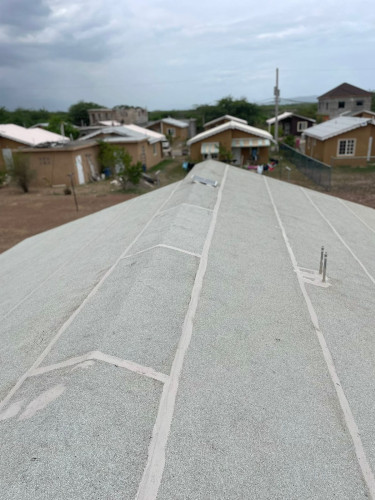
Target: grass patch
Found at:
161, 166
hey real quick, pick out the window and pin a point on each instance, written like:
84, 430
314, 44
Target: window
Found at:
346, 147
171, 132
341, 104
154, 149
301, 126
44, 160
359, 103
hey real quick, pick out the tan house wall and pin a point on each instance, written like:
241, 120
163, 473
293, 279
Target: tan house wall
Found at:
327, 151
52, 166
143, 151
225, 139
7, 144
180, 134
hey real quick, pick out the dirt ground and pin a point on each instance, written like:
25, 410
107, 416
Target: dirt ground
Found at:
353, 184
25, 214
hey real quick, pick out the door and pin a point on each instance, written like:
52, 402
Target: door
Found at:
80, 172
236, 152
8, 158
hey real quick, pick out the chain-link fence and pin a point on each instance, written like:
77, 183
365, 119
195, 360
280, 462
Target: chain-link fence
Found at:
315, 170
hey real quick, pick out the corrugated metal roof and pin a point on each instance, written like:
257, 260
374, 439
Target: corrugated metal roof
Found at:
174, 122
228, 126
336, 126
226, 117
128, 131
345, 90
29, 136
287, 114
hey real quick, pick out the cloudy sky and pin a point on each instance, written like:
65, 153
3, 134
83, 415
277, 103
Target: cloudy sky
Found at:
166, 54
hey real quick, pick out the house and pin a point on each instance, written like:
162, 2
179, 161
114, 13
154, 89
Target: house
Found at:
176, 130
143, 145
345, 140
342, 99
223, 119
54, 164
14, 137
120, 114
291, 123
247, 144
182, 345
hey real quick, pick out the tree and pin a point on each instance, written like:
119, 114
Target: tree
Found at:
55, 122
77, 113
225, 154
21, 172
119, 161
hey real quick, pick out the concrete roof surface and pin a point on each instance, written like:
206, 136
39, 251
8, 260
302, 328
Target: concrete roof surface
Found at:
336, 126
29, 136
232, 125
182, 345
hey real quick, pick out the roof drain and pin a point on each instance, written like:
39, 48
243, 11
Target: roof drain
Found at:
203, 180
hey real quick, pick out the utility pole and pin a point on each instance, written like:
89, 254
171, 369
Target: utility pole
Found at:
276, 93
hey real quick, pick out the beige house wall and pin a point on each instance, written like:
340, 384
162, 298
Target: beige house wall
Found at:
327, 151
180, 134
52, 166
148, 154
225, 139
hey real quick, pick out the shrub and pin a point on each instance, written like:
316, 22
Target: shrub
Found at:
21, 172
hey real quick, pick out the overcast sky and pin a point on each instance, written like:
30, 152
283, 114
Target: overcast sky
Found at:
166, 54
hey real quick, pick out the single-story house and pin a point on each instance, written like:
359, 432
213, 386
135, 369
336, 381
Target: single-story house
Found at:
291, 123
223, 119
365, 113
247, 144
14, 137
345, 140
142, 144
53, 164
176, 129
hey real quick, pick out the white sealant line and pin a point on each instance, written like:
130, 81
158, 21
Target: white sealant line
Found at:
106, 358
358, 217
339, 236
151, 479
68, 322
161, 245
345, 407
188, 205
67, 262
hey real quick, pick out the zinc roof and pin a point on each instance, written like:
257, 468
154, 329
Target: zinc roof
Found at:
128, 131
287, 114
230, 126
29, 136
345, 90
183, 345
336, 126
226, 117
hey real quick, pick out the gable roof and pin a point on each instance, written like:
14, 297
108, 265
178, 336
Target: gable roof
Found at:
226, 117
345, 90
288, 114
336, 126
29, 136
230, 126
128, 132
189, 330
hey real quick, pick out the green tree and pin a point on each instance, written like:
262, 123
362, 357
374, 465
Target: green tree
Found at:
225, 154
120, 162
77, 113
21, 172
55, 122
373, 102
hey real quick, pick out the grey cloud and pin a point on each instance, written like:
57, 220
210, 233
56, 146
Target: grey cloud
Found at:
21, 15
